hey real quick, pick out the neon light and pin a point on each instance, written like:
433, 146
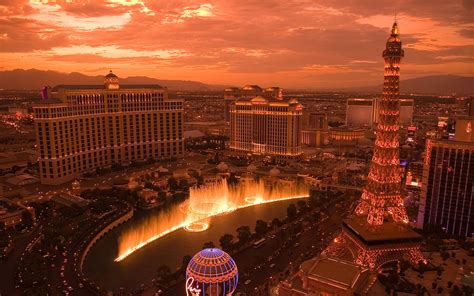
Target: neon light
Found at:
190, 288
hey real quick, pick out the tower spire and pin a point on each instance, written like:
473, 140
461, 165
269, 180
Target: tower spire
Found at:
395, 30
382, 195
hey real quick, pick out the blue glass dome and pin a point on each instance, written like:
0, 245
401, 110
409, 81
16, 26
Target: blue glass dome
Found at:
213, 272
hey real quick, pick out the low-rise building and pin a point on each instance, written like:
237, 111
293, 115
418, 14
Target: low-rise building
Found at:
346, 134
327, 276
319, 183
22, 180
148, 196
10, 213
69, 200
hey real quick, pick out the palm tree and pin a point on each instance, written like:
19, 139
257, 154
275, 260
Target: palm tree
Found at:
186, 259
163, 273
291, 212
226, 241
261, 228
208, 245
276, 223
244, 234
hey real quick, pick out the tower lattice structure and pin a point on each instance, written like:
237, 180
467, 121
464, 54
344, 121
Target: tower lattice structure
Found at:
382, 193
370, 241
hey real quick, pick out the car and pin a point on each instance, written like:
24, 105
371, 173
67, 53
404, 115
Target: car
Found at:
247, 282
272, 265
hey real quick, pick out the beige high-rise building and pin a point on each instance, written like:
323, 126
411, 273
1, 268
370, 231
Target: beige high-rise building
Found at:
315, 129
364, 112
82, 127
270, 126
248, 91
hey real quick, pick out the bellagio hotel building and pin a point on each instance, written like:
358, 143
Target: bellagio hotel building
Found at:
266, 126
82, 127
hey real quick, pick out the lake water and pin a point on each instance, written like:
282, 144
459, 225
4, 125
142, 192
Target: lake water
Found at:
141, 266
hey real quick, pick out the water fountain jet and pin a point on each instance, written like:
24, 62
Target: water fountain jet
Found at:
205, 202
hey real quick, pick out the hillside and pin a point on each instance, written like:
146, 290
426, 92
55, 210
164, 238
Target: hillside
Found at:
20, 79
436, 85
36, 79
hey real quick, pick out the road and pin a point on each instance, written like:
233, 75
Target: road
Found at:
8, 267
288, 253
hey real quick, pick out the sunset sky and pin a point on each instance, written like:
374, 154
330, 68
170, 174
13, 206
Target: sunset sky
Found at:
290, 43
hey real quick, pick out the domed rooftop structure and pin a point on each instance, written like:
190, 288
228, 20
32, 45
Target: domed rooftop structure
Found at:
211, 272
222, 167
111, 81
111, 75
274, 172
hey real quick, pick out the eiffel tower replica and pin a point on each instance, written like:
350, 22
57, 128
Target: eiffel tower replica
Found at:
379, 232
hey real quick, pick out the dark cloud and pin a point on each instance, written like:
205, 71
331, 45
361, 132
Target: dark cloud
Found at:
468, 33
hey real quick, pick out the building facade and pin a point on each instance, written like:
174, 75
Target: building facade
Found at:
82, 127
414, 175
464, 129
266, 126
447, 194
360, 112
315, 130
365, 112
248, 91
345, 134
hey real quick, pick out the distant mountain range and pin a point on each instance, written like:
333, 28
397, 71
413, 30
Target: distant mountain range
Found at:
435, 85
35, 79
20, 79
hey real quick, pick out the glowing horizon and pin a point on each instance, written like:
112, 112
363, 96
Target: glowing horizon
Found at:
218, 199
301, 44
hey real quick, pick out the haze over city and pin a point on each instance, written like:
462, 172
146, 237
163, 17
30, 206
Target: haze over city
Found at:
297, 44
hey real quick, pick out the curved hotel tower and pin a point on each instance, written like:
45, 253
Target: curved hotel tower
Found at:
82, 127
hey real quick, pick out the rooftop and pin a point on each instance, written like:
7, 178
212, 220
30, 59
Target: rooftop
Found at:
335, 271
22, 179
388, 232
101, 86
267, 99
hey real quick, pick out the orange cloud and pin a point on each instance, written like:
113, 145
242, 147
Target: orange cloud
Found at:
289, 43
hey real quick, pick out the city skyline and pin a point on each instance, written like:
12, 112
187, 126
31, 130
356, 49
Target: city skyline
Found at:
302, 44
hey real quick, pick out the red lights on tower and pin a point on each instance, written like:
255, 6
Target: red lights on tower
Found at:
382, 194
371, 240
